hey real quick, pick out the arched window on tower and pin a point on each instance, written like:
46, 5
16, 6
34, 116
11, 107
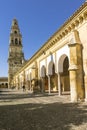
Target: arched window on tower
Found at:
19, 42
15, 32
12, 41
15, 23
16, 41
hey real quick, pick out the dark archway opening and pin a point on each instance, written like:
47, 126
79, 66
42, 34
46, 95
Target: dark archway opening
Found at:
63, 71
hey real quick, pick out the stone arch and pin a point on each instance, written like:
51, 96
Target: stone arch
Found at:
63, 63
43, 71
16, 41
15, 32
12, 41
63, 66
51, 68
44, 79
53, 77
19, 42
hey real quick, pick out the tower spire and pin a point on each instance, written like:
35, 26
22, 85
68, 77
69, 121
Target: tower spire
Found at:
15, 35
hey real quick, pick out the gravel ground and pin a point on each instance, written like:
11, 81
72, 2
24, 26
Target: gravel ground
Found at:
24, 111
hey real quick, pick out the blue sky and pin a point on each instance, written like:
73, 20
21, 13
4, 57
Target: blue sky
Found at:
37, 19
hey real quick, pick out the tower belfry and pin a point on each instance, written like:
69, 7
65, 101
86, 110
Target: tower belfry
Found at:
16, 55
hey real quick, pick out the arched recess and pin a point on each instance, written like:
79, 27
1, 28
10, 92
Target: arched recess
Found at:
44, 79
30, 82
53, 76
43, 71
63, 66
16, 41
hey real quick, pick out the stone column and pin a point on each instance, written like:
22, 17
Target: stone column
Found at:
43, 85
59, 85
73, 83
76, 67
30, 81
49, 84
30, 84
85, 80
23, 78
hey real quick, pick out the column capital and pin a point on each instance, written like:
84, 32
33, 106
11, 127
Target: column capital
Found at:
73, 67
74, 44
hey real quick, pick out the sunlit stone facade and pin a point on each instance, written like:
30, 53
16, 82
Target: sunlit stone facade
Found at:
60, 65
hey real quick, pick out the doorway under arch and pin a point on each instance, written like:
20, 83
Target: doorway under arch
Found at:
63, 66
53, 77
44, 79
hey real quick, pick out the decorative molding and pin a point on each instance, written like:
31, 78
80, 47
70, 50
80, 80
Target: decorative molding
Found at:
73, 67
73, 22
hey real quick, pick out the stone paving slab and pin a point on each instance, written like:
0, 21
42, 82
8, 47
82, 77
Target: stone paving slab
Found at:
26, 111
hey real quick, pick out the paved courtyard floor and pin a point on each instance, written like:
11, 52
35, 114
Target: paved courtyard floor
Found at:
26, 111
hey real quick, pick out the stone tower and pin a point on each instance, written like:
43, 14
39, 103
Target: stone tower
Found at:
16, 55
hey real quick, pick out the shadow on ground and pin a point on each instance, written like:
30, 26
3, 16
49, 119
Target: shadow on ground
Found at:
56, 116
11, 96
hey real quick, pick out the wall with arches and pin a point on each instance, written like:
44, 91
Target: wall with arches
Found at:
61, 63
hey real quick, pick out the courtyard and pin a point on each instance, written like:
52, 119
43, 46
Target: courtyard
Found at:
27, 111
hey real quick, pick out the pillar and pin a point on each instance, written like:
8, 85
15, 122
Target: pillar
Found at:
43, 89
85, 80
59, 85
76, 67
49, 86
73, 84
30, 85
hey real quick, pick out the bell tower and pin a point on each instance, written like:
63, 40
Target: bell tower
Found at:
16, 55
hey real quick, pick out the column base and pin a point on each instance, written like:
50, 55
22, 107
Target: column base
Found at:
85, 99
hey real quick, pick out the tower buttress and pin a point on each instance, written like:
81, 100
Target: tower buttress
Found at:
16, 55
